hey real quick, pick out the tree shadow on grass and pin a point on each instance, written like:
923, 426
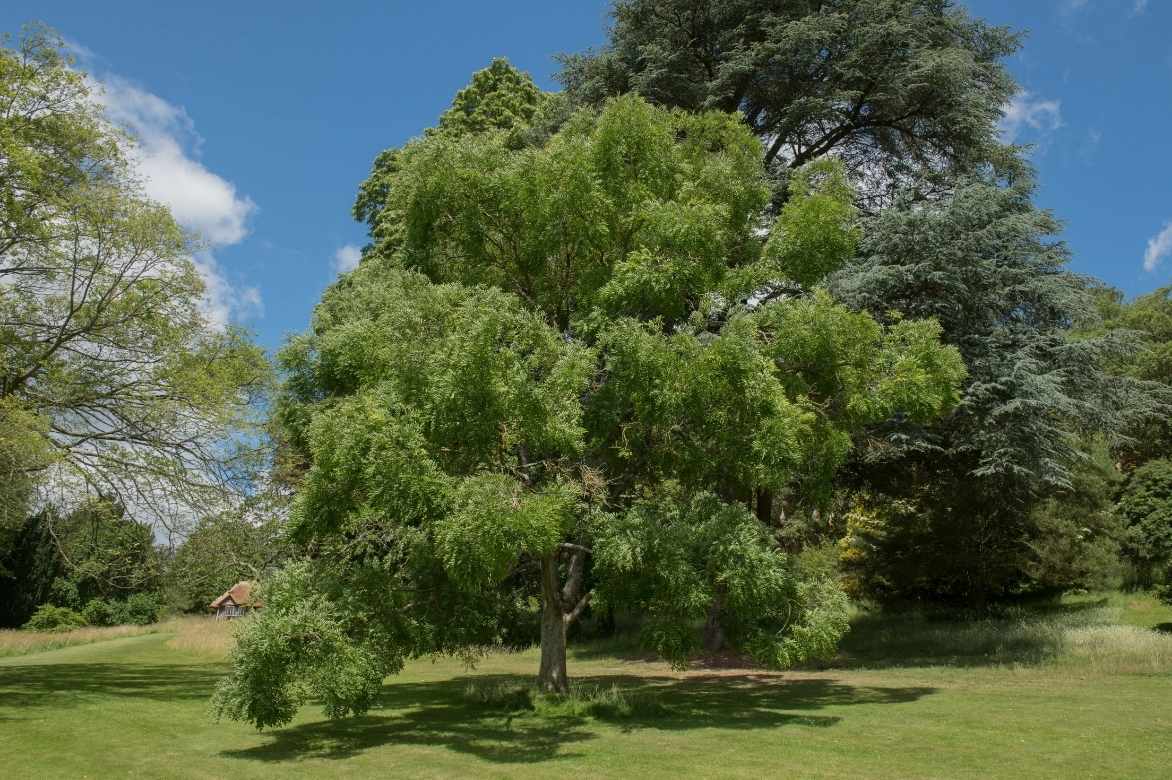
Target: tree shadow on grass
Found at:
440, 714
30, 686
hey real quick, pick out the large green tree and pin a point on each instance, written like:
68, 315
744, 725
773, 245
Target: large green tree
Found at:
571, 351
985, 263
898, 90
112, 382
1149, 319
907, 94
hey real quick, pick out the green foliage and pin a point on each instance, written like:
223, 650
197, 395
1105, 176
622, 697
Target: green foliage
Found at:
1149, 319
639, 211
297, 647
493, 520
95, 553
24, 453
891, 88
141, 609
541, 332
498, 98
99, 612
1075, 535
1145, 504
769, 402
900, 549
64, 593
110, 373
983, 263
51, 618
30, 563
815, 233
672, 558
106, 553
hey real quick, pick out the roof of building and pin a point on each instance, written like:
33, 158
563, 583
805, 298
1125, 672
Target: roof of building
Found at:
239, 594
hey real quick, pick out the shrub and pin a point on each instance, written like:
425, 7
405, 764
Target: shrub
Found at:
1164, 592
582, 700
51, 618
63, 593
98, 612
142, 609
1145, 505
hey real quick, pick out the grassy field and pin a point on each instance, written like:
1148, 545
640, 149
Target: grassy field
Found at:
1080, 689
17, 642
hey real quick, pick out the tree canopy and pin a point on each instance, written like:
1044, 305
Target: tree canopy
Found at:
893, 89
984, 263
112, 381
578, 357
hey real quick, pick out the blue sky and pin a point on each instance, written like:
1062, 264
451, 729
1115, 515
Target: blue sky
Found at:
259, 120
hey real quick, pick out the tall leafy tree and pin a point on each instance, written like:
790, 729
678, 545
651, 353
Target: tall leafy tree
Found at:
112, 382
985, 264
570, 351
897, 89
1149, 318
907, 95
30, 562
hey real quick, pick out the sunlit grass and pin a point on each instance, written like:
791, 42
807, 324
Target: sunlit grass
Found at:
1119, 650
138, 707
1103, 633
203, 636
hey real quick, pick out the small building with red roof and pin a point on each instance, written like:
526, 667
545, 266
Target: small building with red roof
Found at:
236, 602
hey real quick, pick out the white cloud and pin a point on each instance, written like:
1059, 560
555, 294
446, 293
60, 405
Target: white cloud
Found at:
224, 302
165, 157
1159, 247
346, 258
1070, 7
1025, 111
200, 200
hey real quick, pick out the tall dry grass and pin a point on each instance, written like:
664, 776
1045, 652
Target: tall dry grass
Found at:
1085, 636
22, 642
203, 636
1119, 649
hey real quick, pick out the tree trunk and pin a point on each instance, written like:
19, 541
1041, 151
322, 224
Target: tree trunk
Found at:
765, 507
552, 676
713, 631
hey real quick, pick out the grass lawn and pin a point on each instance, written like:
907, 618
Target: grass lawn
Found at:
1072, 692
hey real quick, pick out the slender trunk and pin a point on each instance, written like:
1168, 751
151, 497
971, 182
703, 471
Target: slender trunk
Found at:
713, 631
552, 676
765, 506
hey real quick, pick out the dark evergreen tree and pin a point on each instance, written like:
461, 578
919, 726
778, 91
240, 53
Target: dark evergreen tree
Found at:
898, 90
984, 262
